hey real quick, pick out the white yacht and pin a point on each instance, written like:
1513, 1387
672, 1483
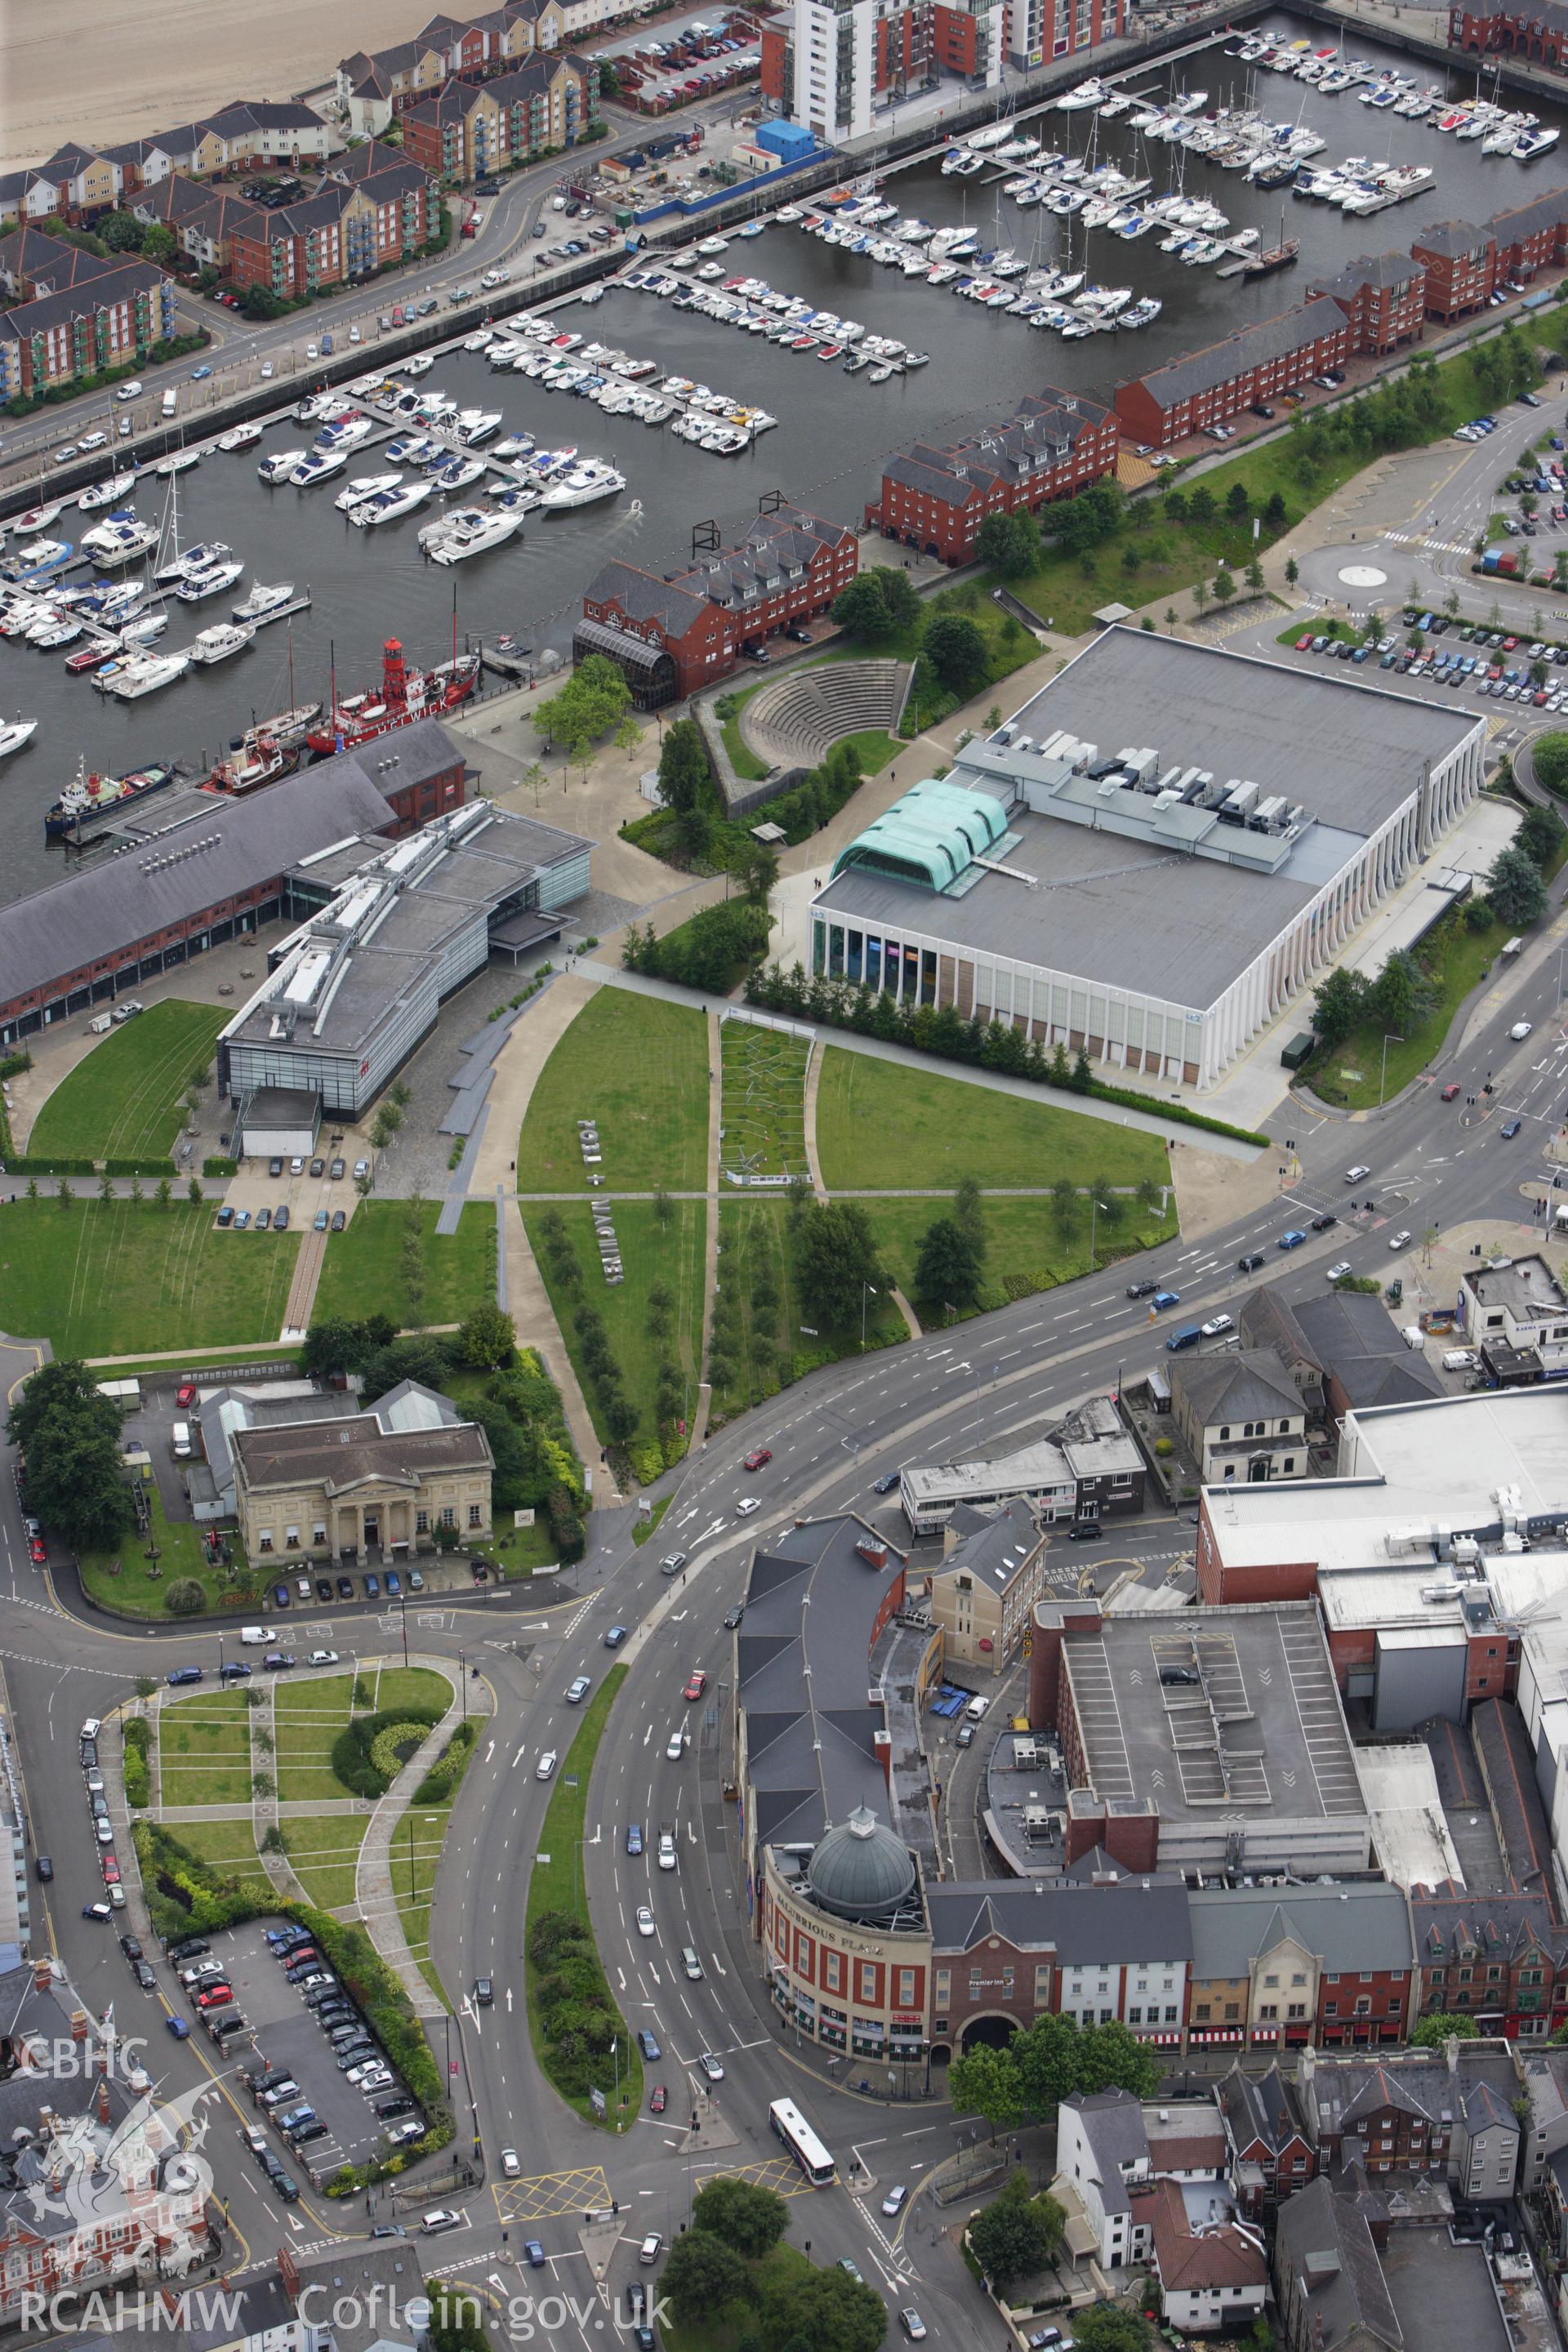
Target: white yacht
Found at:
200, 557
318, 468
469, 531
142, 674
14, 733
279, 466
262, 601
391, 504
106, 494
216, 644
197, 586
362, 487
180, 463
240, 436
121, 540
581, 485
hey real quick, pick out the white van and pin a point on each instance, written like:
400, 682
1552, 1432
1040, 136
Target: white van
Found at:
171, 402
253, 1633
976, 1708
131, 391
182, 1438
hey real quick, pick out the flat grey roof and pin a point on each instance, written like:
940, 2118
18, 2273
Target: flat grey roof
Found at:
1262, 1735
1145, 918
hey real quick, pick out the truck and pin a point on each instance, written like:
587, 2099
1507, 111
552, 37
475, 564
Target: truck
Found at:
666, 1856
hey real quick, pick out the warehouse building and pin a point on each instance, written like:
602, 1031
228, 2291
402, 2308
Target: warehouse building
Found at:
385, 936
1152, 856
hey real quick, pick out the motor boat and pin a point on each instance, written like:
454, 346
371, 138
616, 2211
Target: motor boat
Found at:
240, 436
107, 493
218, 644
200, 557
392, 504
261, 602
362, 487
14, 733
582, 485
279, 466
318, 468
469, 531
142, 674
197, 586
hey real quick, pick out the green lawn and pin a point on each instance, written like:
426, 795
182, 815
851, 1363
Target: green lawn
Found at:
123, 1099
763, 1112
639, 1069
929, 1129
106, 1278
1026, 1249
225, 1845
323, 1854
556, 1882
135, 1592
204, 1746
752, 1236
1352, 1077
414, 1860
309, 1715
650, 1252
362, 1272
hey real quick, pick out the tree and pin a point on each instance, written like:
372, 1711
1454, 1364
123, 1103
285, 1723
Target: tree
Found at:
899, 595
860, 610
1339, 1006
1013, 2238
1539, 835
71, 1436
1110, 2327
1237, 502
1047, 2057
1171, 616
969, 1216
1064, 1203
185, 1597
956, 651
1200, 593
1202, 507
488, 1338
684, 782
1292, 571
822, 2311
1395, 998
121, 232
755, 867
1095, 514
984, 2082
836, 1256
1010, 543
1549, 755
1224, 586
1441, 2025
594, 700
947, 1268
158, 243
1255, 577
702, 2276
1275, 516
1516, 889
749, 2218
1110, 2058
1538, 674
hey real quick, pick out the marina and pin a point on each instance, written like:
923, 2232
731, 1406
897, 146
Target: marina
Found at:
540, 452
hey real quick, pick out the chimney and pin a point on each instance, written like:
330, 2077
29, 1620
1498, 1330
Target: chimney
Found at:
81, 2025
882, 1747
1451, 2051
43, 1976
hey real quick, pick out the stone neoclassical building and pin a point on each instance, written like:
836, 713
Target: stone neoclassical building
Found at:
376, 1481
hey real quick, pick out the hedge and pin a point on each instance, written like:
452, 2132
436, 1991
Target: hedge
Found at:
443, 1778
186, 1896
216, 1164
14, 1065
137, 1762
152, 1168
25, 1164
354, 1760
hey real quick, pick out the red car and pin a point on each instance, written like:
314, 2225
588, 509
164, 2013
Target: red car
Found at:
1450, 1094
657, 2099
214, 1996
1304, 645
110, 1870
186, 1394
37, 1552
697, 1684
756, 1459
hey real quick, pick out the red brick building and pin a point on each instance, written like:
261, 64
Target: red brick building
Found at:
472, 128
673, 635
1255, 364
65, 314
1539, 32
1530, 238
1268, 2153
1384, 295
1460, 262
1500, 1960
360, 220
936, 495
777, 77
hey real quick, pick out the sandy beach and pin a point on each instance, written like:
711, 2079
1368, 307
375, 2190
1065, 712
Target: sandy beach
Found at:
101, 72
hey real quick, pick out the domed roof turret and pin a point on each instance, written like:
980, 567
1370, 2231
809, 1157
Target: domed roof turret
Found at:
861, 1870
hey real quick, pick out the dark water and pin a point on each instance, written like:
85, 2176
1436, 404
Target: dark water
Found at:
825, 451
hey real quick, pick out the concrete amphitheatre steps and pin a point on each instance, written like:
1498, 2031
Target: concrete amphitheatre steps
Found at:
797, 719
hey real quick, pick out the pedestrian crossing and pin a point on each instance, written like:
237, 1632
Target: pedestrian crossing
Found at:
1434, 546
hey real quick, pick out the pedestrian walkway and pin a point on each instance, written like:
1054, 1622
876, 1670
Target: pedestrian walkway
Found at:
308, 1268
375, 1895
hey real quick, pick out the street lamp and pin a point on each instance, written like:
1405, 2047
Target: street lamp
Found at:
1094, 1208
463, 1678
1391, 1037
867, 1289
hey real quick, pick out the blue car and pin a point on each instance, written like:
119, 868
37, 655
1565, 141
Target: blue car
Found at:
1291, 1240
178, 2027
280, 1596
233, 1670
648, 2045
372, 1587
634, 1837
1164, 1298
200, 374
185, 1675
394, 1587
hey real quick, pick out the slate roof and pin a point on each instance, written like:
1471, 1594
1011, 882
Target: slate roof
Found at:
108, 906
31, 257
1112, 2126
1453, 1924
643, 596
340, 1453
1517, 222
1248, 348
109, 284
1452, 241
996, 1550
1190, 2264
1245, 1384
1324, 2244
1259, 2107
1352, 1339
367, 163
1137, 1919
1382, 270
1045, 426
1344, 2095
1358, 1925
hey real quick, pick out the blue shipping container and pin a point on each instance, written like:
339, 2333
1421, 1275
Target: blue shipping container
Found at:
790, 141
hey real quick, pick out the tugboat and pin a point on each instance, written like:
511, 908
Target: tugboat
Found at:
89, 796
403, 695
253, 759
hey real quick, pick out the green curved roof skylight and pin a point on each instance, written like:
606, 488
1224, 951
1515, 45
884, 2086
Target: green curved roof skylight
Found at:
929, 835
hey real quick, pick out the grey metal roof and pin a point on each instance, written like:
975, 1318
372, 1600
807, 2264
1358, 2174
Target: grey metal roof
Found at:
1112, 2125
340, 1454
1245, 1384
106, 908
1247, 347
1359, 1924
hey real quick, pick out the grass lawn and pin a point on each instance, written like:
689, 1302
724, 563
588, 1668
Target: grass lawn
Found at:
309, 1715
123, 1099
414, 1860
762, 1111
650, 1252
1026, 1249
752, 1236
742, 758
203, 1749
106, 1278
134, 1592
722, 2331
875, 749
1352, 1075
555, 1883
323, 1854
225, 1845
936, 1130
638, 1067
363, 1271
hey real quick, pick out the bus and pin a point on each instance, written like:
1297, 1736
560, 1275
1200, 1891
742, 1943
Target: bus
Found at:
801, 2141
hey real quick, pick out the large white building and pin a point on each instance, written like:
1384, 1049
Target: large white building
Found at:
1153, 856
851, 58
